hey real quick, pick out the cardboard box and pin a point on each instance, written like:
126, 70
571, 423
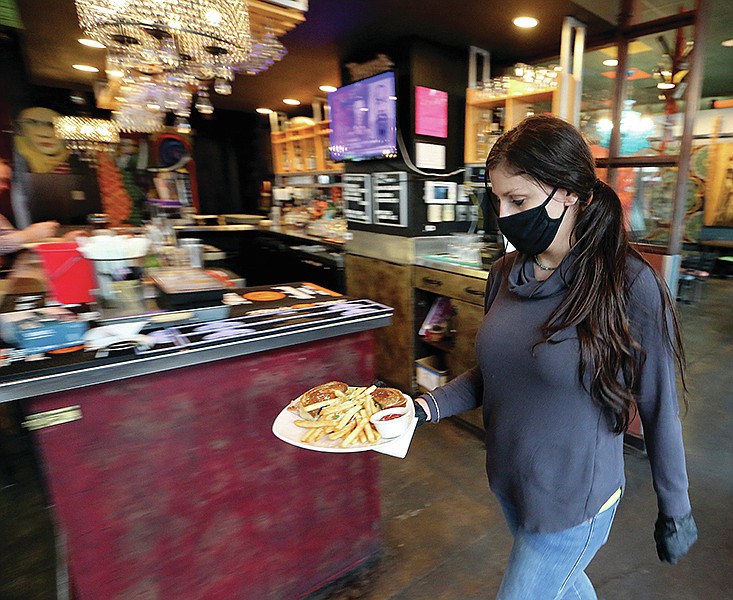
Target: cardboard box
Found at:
428, 375
42, 329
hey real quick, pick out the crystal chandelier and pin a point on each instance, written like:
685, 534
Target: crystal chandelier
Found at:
166, 51
204, 38
86, 135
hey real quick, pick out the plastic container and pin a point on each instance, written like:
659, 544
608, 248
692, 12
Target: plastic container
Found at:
194, 250
118, 266
427, 373
466, 247
70, 275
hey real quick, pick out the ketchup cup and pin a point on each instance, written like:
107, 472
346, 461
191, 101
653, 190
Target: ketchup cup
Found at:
391, 422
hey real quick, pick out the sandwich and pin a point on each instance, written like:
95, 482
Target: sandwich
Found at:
389, 398
320, 393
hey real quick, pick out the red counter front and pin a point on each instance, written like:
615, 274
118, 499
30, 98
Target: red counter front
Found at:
172, 486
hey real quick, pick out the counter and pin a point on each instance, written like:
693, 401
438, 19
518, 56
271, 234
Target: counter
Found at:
265, 255
450, 266
164, 474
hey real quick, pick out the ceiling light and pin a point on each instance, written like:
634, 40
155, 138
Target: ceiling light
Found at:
727, 43
610, 62
328, 88
91, 43
663, 85
526, 22
291, 101
264, 111
86, 68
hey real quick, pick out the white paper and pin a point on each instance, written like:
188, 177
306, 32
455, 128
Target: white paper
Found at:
429, 156
401, 445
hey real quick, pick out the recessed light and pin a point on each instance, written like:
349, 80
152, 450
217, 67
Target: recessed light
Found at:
663, 85
115, 73
264, 111
91, 43
291, 101
86, 68
727, 43
327, 88
525, 22
610, 62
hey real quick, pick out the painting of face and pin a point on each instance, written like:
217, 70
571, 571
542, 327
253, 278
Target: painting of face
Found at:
36, 125
37, 142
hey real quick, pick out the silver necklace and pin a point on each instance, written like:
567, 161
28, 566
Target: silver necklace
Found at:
541, 266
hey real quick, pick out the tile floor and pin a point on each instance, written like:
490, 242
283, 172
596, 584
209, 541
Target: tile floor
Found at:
444, 535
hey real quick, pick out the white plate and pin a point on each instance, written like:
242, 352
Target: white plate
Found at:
285, 428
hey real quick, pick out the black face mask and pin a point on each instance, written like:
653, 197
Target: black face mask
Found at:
532, 231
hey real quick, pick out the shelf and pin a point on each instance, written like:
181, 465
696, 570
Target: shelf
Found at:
443, 346
480, 107
303, 150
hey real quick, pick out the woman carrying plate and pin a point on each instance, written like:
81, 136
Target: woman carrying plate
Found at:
578, 332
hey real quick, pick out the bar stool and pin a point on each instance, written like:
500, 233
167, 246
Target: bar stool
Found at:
726, 266
688, 288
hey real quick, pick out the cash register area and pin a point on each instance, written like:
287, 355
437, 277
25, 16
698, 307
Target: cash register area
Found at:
444, 536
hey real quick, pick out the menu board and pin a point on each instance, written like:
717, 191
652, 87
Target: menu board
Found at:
389, 196
357, 198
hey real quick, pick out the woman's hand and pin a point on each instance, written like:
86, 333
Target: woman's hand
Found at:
420, 412
674, 536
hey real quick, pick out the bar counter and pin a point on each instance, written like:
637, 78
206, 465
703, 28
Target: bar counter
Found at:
165, 477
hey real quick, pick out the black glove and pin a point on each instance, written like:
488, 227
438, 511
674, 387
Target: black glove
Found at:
674, 536
420, 413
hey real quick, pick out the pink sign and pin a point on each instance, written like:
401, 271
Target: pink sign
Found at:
431, 112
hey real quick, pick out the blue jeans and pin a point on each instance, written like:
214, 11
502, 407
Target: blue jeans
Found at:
550, 566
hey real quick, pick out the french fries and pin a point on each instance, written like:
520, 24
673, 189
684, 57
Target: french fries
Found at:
344, 417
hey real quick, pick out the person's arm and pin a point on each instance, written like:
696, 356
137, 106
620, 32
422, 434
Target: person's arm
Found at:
656, 393
12, 240
458, 395
465, 392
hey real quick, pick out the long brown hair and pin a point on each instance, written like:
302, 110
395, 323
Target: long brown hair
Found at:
553, 152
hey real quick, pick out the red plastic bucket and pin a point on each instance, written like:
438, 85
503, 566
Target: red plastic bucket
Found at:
70, 275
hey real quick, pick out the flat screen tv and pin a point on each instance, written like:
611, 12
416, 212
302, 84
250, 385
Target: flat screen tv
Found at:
364, 119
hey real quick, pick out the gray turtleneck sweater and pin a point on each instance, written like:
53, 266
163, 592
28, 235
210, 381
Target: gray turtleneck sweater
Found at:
550, 449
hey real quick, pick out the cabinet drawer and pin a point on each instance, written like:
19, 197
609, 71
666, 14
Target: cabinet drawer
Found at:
470, 289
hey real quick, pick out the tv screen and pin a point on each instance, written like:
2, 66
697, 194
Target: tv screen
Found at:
364, 119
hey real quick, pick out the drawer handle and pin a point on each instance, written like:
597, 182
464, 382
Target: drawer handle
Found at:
312, 263
474, 292
430, 281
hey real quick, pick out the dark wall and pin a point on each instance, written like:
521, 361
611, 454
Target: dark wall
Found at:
17, 94
232, 152
421, 63
232, 149
443, 69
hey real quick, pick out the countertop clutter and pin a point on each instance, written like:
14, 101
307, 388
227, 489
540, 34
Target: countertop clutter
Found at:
246, 321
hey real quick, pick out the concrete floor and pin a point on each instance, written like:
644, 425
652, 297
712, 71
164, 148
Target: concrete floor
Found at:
444, 535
